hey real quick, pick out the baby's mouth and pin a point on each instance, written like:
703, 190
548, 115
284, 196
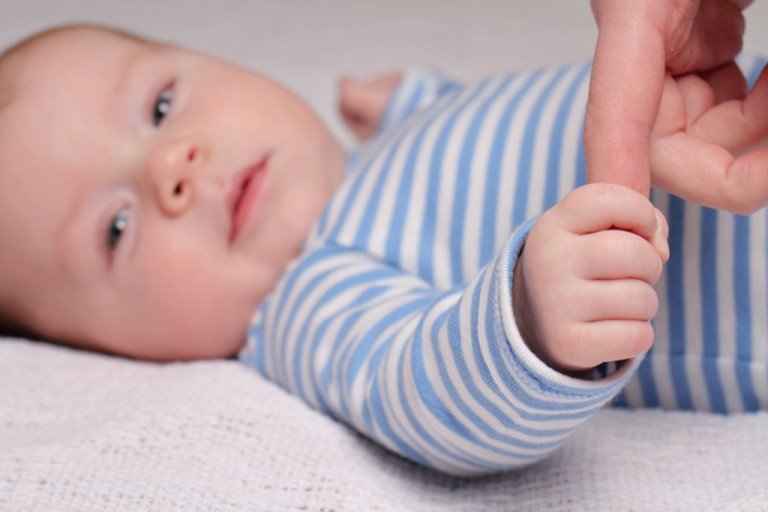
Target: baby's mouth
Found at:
246, 188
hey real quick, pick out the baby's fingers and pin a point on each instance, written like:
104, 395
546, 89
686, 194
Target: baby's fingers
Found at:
601, 206
592, 343
616, 254
616, 299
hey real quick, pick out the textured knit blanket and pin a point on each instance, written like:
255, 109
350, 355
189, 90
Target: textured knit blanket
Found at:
82, 431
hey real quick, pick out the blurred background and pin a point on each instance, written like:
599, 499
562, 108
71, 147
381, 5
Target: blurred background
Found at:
307, 44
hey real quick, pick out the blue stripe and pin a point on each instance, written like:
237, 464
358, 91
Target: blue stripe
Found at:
743, 305
676, 304
757, 66
709, 309
620, 400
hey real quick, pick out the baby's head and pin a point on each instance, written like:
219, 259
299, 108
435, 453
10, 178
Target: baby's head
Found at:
150, 197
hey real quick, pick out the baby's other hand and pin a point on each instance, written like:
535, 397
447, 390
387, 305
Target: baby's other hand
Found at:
362, 104
710, 140
583, 290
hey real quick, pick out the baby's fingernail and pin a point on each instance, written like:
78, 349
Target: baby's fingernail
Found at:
662, 245
662, 231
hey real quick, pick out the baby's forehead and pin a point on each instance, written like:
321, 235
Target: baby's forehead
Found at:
46, 58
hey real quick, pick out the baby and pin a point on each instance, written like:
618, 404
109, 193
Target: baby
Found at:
163, 205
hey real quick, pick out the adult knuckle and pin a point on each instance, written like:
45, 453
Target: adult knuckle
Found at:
738, 197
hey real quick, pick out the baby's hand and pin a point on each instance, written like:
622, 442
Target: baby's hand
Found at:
583, 285
709, 142
362, 104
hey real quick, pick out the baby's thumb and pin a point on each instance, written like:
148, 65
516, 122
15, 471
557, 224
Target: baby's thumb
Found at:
659, 238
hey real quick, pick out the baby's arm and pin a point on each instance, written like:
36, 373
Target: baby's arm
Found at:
442, 378
583, 286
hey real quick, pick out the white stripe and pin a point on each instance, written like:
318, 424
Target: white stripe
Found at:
662, 377
692, 299
726, 307
633, 392
759, 302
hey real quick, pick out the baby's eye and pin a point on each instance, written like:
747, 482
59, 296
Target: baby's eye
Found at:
162, 106
116, 228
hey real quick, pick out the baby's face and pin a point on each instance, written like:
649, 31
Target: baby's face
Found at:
151, 197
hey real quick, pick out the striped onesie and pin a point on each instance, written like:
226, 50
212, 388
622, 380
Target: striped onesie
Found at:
397, 317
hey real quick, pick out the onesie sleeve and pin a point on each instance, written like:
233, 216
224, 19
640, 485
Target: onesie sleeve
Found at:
442, 378
419, 88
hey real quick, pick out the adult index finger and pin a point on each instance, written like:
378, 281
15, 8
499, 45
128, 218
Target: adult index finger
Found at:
624, 94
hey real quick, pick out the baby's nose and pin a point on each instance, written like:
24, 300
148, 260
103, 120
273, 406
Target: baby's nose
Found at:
173, 169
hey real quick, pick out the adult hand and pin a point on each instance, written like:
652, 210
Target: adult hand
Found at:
638, 41
708, 144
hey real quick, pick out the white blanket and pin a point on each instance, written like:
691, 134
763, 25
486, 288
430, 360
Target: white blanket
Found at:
84, 432
81, 431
